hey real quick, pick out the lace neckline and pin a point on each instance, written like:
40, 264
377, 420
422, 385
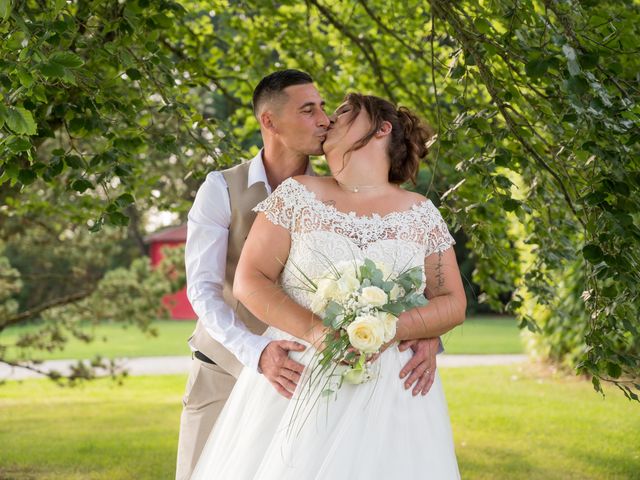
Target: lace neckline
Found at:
311, 195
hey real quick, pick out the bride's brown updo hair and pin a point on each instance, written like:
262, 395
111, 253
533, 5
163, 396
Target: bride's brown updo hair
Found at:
408, 138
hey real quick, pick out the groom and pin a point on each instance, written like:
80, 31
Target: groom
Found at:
293, 125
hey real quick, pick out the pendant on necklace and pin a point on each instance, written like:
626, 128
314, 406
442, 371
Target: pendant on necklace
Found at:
355, 189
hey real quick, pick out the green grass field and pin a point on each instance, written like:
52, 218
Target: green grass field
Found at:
476, 335
508, 424
484, 335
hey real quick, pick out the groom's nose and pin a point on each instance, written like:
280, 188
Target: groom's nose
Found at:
323, 120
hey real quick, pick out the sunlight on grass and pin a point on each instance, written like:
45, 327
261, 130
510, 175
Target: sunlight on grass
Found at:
508, 423
484, 335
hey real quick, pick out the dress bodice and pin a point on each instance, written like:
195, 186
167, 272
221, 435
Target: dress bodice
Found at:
322, 236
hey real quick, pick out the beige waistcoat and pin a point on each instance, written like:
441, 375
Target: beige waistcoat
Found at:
242, 200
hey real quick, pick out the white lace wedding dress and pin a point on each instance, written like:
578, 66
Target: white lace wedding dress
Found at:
375, 430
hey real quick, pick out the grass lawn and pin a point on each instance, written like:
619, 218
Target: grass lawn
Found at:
114, 340
476, 335
484, 335
508, 424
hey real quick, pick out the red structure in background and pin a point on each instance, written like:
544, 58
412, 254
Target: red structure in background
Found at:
171, 237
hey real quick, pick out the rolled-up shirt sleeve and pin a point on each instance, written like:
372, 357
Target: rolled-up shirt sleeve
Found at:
205, 262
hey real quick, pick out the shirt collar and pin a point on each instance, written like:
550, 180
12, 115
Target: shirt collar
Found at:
257, 173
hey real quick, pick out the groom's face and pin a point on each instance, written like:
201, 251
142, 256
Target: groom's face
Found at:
300, 120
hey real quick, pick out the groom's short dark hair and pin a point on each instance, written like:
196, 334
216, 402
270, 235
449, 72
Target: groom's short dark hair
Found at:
274, 83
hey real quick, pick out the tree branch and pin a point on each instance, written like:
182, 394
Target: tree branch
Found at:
56, 302
469, 42
364, 45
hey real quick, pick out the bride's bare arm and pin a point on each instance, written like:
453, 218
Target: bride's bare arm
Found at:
447, 300
263, 256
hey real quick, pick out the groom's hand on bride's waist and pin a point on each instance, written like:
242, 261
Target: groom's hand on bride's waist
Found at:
278, 368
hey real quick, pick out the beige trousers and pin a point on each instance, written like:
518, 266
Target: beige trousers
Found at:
208, 389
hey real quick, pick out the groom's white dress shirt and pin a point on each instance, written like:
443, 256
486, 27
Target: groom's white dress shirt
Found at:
205, 260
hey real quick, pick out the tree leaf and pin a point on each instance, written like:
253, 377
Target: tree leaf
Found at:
19, 144
592, 253
117, 219
577, 85
482, 25
81, 185
20, 121
74, 161
27, 176
66, 59
5, 9
124, 200
536, 68
510, 205
614, 370
26, 79
51, 70
133, 73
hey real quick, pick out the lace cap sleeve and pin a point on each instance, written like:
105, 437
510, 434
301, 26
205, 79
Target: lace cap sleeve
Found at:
280, 206
437, 236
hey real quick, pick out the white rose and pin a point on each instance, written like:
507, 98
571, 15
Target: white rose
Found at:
389, 323
346, 268
396, 292
327, 288
347, 285
373, 296
366, 333
318, 304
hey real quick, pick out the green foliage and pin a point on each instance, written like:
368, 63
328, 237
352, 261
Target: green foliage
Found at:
536, 105
129, 295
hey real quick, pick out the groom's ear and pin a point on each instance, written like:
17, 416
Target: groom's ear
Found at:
384, 130
266, 119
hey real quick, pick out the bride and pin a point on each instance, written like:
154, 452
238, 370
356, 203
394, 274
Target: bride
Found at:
374, 430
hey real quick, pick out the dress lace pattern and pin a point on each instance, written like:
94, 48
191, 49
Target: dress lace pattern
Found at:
321, 235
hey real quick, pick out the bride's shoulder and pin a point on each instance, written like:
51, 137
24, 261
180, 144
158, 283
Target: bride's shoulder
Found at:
411, 199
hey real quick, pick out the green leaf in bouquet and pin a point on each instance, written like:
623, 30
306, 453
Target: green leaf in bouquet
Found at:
410, 279
387, 286
395, 308
368, 270
332, 311
415, 299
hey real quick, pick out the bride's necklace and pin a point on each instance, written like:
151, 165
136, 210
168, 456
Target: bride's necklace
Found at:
358, 188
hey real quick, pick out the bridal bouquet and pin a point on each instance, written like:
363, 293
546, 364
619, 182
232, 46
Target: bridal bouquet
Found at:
359, 302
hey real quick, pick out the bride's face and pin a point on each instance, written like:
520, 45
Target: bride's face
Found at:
344, 131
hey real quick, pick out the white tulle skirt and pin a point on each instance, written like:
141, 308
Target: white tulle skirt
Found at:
376, 430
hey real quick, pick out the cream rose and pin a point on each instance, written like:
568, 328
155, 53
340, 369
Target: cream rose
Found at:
366, 333
389, 323
327, 288
374, 296
396, 292
347, 284
318, 304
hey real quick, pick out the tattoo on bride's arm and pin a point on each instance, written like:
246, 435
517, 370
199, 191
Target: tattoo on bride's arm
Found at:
439, 272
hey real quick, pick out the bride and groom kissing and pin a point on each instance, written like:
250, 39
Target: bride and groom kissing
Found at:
248, 228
